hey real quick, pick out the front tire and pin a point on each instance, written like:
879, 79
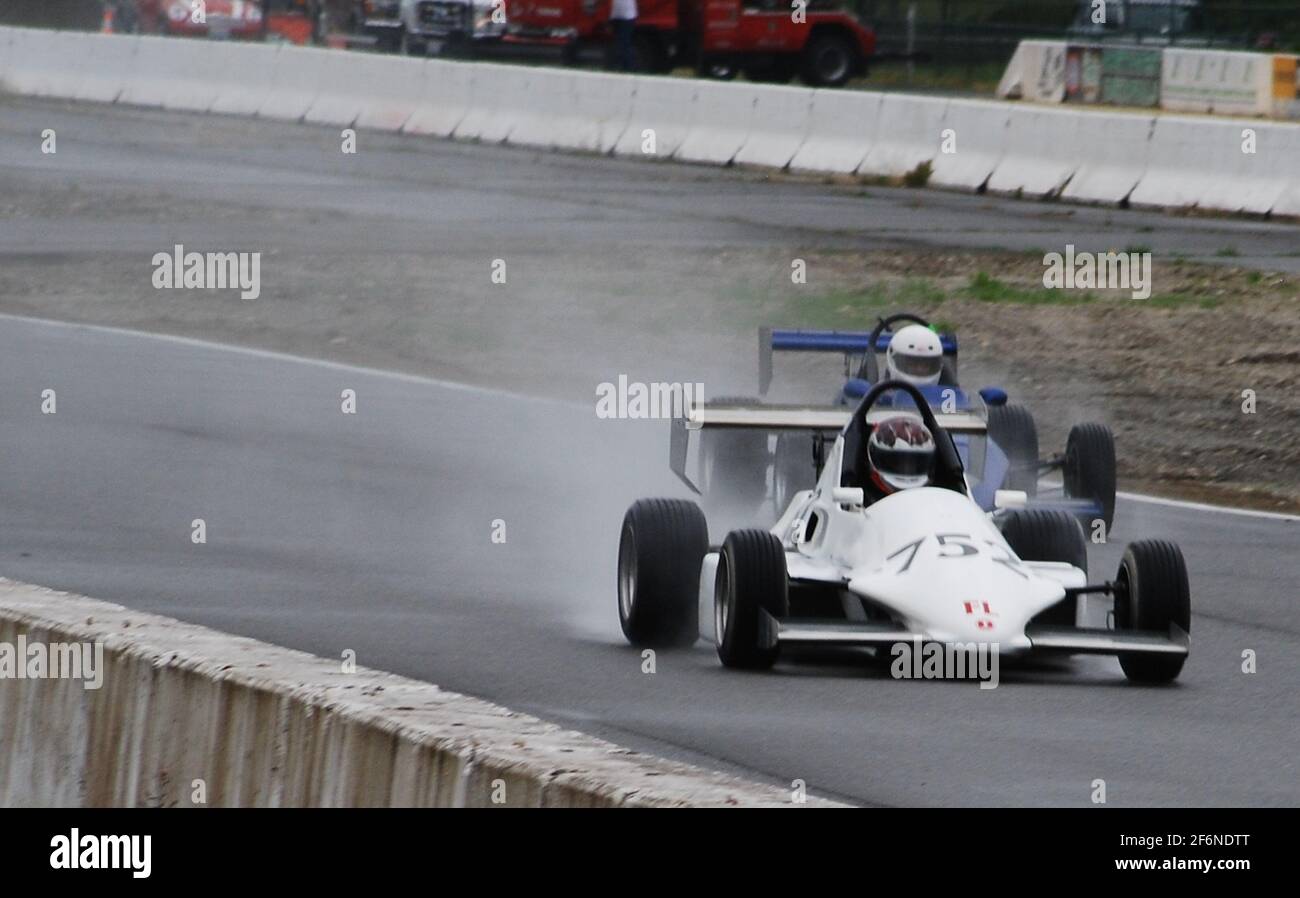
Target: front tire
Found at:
1038, 534
1012, 428
1151, 593
659, 555
751, 580
1089, 470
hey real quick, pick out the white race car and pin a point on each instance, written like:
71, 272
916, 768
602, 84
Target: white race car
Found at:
923, 565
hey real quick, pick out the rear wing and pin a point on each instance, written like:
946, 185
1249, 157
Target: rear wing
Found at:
778, 418
850, 343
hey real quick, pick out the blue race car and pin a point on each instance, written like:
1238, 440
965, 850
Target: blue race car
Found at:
1007, 458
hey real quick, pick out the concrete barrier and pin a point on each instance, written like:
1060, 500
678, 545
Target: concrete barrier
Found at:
444, 99
908, 132
498, 100
250, 72
1035, 73
660, 119
8, 36
546, 99
1288, 203
1099, 157
179, 706
782, 118
295, 84
176, 74
1113, 154
842, 126
1216, 81
375, 90
1039, 157
46, 63
594, 113
976, 133
109, 68
721, 119
1202, 164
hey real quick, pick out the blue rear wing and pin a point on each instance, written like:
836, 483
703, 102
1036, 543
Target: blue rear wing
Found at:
848, 343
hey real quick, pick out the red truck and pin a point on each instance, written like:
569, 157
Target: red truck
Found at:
768, 40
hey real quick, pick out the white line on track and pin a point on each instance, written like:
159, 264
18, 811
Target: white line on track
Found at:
452, 385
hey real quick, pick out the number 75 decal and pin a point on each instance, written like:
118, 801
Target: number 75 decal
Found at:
960, 545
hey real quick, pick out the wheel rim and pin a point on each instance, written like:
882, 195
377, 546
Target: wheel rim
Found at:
832, 64
721, 601
627, 574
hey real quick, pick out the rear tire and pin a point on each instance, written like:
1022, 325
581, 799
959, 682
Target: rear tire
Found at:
660, 551
751, 579
1151, 594
1012, 428
1039, 534
1089, 470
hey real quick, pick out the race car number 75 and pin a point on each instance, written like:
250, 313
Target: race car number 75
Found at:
959, 545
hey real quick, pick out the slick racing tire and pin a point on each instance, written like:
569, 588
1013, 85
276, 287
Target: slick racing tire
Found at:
659, 555
735, 463
751, 579
1089, 469
1151, 594
1039, 534
1012, 428
792, 469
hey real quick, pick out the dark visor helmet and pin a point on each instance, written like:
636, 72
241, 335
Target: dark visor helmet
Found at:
901, 453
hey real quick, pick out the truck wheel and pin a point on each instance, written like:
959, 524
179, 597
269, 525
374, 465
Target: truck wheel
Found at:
1039, 534
751, 577
792, 469
1012, 428
1151, 594
1089, 470
735, 462
828, 60
659, 556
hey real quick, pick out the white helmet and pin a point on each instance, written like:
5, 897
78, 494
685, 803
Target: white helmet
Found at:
915, 356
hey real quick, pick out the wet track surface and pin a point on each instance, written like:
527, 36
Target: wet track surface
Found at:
372, 532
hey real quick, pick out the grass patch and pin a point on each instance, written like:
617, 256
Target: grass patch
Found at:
986, 288
860, 308
1181, 300
1228, 252
919, 176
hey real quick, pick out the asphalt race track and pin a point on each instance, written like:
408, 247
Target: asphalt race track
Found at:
372, 532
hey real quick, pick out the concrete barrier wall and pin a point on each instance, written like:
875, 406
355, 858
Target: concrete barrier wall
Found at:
1076, 154
261, 726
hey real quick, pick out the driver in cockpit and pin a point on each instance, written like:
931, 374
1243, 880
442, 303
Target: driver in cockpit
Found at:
899, 456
